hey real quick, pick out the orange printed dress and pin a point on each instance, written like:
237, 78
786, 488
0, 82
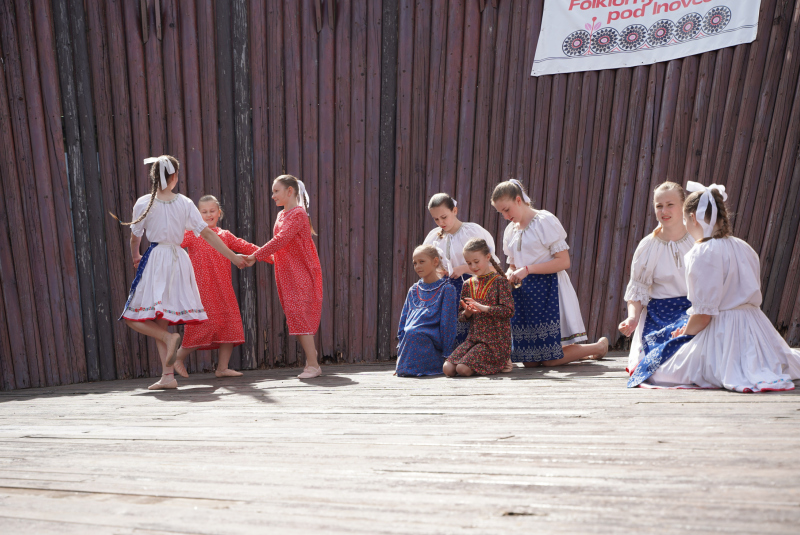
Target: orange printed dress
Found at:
213, 274
298, 274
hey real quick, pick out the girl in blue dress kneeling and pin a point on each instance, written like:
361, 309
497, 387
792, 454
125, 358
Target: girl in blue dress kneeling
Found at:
427, 330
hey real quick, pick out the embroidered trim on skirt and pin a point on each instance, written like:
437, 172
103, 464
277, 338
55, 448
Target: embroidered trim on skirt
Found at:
663, 317
462, 327
536, 325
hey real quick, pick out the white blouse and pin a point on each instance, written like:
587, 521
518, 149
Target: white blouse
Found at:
722, 274
537, 243
658, 270
167, 221
453, 244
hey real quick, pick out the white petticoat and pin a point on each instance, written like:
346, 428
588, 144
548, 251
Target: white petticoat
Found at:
167, 289
739, 350
572, 328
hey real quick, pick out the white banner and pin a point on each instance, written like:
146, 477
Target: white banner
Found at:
590, 35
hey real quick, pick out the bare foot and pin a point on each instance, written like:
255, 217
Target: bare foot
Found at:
602, 354
180, 369
227, 373
508, 367
173, 342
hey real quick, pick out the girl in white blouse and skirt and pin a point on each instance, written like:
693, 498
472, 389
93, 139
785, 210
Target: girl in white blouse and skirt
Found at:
547, 322
656, 293
450, 236
728, 341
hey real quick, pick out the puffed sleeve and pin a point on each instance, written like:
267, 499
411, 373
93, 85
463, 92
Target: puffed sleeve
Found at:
401, 327
508, 234
194, 221
704, 279
641, 273
188, 239
552, 234
432, 237
238, 245
293, 222
478, 231
447, 323
138, 210
505, 301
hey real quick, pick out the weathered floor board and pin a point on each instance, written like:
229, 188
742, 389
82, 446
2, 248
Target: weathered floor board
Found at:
359, 451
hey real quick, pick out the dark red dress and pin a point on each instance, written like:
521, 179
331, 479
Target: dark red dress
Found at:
298, 274
213, 274
488, 344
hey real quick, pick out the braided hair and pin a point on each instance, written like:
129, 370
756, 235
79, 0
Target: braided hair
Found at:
442, 199
722, 228
155, 179
479, 245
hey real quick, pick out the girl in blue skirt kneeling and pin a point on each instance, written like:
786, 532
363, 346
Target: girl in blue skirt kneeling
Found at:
547, 323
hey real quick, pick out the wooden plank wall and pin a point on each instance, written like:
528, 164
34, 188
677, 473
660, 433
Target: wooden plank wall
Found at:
376, 105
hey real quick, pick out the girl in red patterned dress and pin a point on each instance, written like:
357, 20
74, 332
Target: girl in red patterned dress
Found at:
487, 305
298, 274
223, 330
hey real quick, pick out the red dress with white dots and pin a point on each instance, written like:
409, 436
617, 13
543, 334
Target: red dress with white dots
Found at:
298, 274
213, 274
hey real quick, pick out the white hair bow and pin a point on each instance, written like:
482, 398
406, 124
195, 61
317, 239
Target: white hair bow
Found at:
303, 193
707, 199
165, 165
455, 203
444, 261
524, 195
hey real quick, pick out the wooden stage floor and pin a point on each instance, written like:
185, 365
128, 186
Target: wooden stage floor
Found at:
566, 450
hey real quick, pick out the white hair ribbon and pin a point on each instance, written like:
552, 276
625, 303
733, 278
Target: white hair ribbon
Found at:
444, 261
706, 199
519, 184
165, 165
303, 194
455, 203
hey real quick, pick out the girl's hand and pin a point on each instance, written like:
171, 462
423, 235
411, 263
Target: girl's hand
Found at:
136, 260
518, 275
679, 332
239, 261
467, 310
475, 307
250, 260
628, 326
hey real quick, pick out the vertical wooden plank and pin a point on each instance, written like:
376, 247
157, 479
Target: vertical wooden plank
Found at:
554, 143
19, 297
436, 84
403, 167
208, 96
466, 123
540, 133
278, 342
694, 150
118, 256
310, 115
583, 169
244, 173
682, 120
372, 183
767, 102
7, 381
126, 188
483, 115
730, 116
500, 80
226, 137
716, 114
106, 328
789, 312
173, 90
452, 97
327, 75
529, 89
140, 135
192, 110
342, 182
387, 151
748, 108
666, 121
517, 74
41, 181
569, 143
358, 133
625, 200
293, 82
77, 186
270, 330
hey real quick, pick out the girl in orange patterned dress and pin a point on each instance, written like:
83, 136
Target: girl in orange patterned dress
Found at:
487, 304
223, 330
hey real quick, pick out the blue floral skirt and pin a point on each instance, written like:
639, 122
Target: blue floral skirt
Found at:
536, 325
663, 317
462, 327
